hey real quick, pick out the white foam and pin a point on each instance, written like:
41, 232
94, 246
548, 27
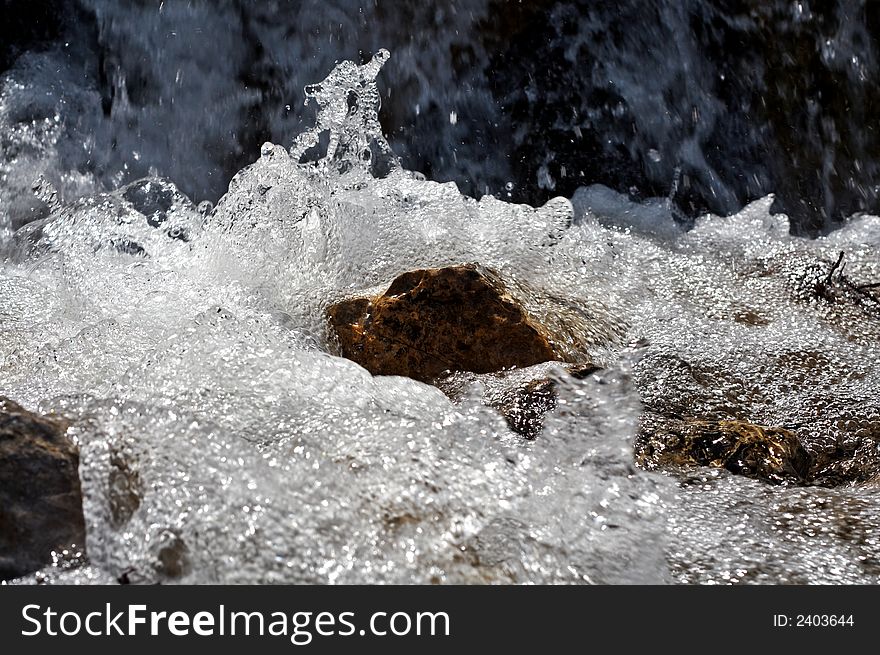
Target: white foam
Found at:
192, 346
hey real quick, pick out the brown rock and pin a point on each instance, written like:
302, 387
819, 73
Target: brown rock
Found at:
124, 489
40, 495
458, 318
771, 454
522, 396
172, 558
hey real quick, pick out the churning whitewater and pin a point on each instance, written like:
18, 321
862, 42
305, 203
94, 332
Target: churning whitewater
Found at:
224, 440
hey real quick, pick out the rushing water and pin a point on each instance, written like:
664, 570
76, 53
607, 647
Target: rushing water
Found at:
223, 441
716, 103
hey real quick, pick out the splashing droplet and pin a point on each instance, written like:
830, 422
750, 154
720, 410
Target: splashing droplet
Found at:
348, 111
46, 191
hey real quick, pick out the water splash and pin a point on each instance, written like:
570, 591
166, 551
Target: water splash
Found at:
348, 104
222, 440
46, 192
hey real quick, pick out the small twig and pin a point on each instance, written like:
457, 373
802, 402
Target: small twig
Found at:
834, 268
873, 285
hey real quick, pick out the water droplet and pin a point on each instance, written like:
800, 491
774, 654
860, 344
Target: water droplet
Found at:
46, 191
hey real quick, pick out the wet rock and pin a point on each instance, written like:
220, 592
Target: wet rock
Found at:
172, 557
171, 560
524, 409
854, 459
40, 495
522, 396
428, 322
798, 388
124, 489
771, 454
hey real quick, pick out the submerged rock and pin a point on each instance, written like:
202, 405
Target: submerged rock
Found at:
855, 457
428, 322
124, 489
522, 396
40, 495
771, 454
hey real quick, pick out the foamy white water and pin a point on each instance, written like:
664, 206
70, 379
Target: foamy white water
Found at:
223, 441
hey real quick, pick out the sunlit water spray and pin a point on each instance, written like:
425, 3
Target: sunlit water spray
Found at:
223, 441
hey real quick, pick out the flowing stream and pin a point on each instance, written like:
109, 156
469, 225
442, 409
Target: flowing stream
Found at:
223, 440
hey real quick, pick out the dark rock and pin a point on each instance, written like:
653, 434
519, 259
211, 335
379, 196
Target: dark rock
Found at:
771, 454
841, 435
124, 489
525, 408
171, 561
522, 396
854, 459
172, 558
428, 322
40, 495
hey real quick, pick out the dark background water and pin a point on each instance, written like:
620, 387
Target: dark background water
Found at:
713, 102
